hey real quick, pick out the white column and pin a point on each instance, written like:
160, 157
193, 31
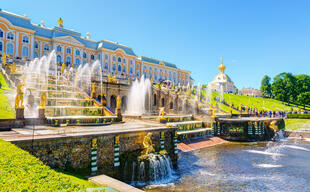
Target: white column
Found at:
17, 43
32, 47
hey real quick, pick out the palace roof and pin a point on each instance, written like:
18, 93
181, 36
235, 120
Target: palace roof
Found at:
155, 61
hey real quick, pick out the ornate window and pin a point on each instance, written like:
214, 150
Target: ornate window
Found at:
77, 62
106, 57
84, 55
68, 60
92, 57
1, 46
25, 39
131, 62
114, 67
36, 45
138, 74
46, 47
131, 70
1, 34
59, 59
10, 49
59, 48
35, 54
10, 36
106, 66
25, 51
124, 60
114, 58
77, 52
68, 50
119, 68
124, 68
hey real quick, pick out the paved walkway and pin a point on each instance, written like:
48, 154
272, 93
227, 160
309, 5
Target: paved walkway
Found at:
42, 132
194, 144
113, 183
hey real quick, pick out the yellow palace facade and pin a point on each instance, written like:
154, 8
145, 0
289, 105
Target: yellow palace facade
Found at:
22, 41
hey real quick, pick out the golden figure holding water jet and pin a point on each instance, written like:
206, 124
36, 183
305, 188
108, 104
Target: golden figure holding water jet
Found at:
147, 145
19, 99
43, 99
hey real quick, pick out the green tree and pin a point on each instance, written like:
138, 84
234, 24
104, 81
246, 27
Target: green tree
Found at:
304, 98
283, 87
265, 86
302, 83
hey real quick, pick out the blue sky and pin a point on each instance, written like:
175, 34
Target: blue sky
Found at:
255, 37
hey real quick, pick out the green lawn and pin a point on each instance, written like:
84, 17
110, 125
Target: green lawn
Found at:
296, 124
21, 171
6, 110
257, 102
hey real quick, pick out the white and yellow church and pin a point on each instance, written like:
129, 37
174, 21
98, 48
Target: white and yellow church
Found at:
222, 82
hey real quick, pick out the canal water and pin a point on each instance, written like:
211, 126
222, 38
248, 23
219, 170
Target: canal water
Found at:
262, 166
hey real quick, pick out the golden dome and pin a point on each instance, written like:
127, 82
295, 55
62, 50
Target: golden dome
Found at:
221, 67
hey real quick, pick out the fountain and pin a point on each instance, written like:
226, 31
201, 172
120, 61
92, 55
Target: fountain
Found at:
149, 167
66, 91
139, 99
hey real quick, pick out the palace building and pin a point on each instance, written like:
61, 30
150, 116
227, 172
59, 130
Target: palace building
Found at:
222, 82
23, 41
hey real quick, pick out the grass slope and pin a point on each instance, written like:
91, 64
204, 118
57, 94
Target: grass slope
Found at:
6, 110
20, 171
296, 124
257, 102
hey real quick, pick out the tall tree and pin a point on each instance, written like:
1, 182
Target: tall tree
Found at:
302, 83
265, 86
283, 87
304, 98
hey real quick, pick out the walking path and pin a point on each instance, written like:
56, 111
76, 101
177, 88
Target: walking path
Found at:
194, 144
113, 183
43, 132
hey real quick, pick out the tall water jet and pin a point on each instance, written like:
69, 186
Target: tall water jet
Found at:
139, 98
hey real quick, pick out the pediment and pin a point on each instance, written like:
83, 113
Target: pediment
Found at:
69, 39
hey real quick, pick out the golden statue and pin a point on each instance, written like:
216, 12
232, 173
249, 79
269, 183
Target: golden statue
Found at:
111, 79
62, 69
118, 102
60, 22
93, 92
162, 112
19, 99
273, 125
151, 81
43, 99
4, 59
148, 145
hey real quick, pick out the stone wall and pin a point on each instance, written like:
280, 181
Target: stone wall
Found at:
74, 153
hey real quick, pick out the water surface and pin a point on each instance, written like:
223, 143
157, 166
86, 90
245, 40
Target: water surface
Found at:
264, 166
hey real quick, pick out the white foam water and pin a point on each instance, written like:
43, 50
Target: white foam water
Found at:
264, 153
297, 147
263, 165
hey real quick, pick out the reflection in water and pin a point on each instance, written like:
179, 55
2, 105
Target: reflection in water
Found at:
267, 166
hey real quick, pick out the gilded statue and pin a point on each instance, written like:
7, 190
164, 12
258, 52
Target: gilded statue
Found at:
4, 59
118, 102
147, 145
62, 69
273, 125
19, 99
93, 92
60, 22
111, 79
162, 112
43, 99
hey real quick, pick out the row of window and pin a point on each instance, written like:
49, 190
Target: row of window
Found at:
10, 36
